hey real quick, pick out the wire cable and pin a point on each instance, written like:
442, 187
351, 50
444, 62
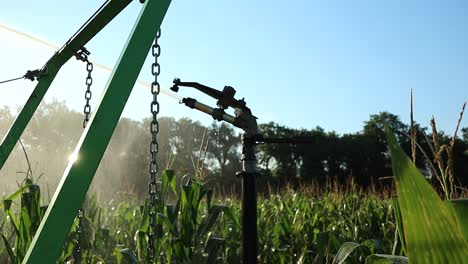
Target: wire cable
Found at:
10, 80
98, 65
30, 75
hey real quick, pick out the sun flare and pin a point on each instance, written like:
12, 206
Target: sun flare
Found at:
73, 157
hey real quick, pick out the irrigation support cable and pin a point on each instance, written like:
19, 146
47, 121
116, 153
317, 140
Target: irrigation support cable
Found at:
30, 75
97, 64
10, 80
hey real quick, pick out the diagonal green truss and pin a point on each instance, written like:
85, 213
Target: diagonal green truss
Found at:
52, 232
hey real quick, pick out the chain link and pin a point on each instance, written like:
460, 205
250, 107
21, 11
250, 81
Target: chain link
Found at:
154, 148
88, 94
79, 237
83, 56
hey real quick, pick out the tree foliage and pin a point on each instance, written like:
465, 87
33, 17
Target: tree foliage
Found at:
213, 152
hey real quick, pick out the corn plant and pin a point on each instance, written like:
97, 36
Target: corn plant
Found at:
189, 231
194, 226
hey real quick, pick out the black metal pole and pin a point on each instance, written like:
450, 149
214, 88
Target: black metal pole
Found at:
249, 203
249, 219
247, 122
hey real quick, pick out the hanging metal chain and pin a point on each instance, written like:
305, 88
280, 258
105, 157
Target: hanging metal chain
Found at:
88, 94
82, 55
79, 237
154, 147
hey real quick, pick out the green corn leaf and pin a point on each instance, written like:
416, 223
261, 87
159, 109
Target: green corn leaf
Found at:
168, 179
431, 231
98, 259
7, 204
399, 223
43, 209
323, 241
213, 246
168, 251
25, 238
127, 255
170, 219
25, 223
13, 196
10, 213
140, 240
228, 211
144, 222
373, 259
173, 212
345, 250
371, 245
209, 221
167, 223
119, 256
209, 196
460, 207
9, 249
383, 259
173, 183
386, 259
67, 252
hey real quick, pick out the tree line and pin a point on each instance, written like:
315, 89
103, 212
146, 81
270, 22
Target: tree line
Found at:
213, 152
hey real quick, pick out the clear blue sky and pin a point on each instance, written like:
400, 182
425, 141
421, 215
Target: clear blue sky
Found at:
299, 63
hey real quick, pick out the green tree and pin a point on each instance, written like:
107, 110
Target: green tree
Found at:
464, 132
189, 142
377, 161
311, 159
223, 147
278, 158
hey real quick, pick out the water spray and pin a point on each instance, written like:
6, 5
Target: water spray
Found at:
55, 47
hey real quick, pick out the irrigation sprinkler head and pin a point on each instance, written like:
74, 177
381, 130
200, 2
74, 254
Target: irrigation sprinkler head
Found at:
225, 97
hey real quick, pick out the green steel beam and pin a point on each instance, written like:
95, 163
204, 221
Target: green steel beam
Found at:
48, 241
108, 11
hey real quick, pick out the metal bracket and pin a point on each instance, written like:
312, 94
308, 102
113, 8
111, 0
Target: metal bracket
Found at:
33, 75
82, 54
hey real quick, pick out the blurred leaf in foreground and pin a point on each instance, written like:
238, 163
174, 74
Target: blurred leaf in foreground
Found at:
431, 231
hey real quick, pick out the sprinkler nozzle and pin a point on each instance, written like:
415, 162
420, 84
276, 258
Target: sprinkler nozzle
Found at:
175, 87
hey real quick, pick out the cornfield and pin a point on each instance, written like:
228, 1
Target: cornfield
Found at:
193, 226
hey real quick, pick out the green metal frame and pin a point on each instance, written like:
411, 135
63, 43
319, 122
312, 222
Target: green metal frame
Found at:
54, 228
52, 67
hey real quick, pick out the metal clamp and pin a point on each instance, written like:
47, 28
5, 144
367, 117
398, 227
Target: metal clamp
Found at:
82, 54
33, 75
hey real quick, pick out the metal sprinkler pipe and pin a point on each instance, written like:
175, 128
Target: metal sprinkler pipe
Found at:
250, 139
248, 123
